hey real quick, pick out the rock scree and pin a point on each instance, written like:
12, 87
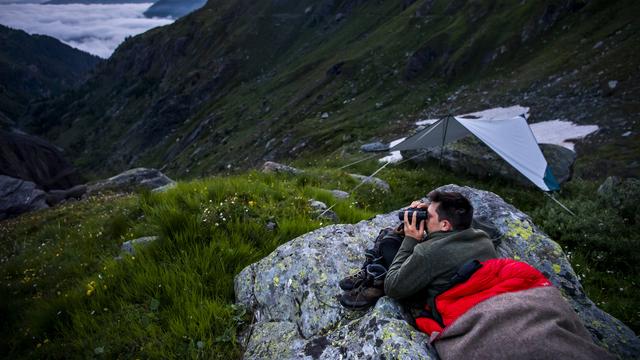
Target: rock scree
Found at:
293, 292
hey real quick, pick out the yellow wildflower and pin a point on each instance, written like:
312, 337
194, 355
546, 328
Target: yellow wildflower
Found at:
91, 288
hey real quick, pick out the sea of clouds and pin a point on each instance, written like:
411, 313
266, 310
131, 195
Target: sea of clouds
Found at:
97, 29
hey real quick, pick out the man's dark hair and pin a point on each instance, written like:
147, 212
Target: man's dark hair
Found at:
454, 207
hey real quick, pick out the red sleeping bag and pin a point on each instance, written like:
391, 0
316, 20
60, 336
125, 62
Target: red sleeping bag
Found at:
495, 277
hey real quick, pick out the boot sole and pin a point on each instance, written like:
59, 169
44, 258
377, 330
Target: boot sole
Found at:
356, 308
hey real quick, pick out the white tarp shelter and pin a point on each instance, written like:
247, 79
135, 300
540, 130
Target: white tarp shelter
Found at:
510, 137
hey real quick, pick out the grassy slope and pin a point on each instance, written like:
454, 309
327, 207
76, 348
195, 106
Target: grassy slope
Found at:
63, 293
258, 73
376, 61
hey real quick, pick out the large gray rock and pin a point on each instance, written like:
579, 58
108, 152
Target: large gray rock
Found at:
339, 194
19, 196
292, 292
471, 156
375, 147
129, 247
131, 179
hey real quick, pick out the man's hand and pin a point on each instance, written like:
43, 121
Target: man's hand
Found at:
419, 204
410, 229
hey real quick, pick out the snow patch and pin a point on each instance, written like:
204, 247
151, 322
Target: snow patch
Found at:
394, 156
559, 132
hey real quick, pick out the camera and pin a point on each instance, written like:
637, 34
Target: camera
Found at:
421, 214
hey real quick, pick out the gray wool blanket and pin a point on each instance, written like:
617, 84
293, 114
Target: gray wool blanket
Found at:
530, 324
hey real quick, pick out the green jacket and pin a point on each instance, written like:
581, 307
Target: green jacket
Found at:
427, 267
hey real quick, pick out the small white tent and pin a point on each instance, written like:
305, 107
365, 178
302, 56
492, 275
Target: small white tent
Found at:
511, 138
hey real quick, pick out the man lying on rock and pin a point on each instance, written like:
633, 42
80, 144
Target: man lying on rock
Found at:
475, 305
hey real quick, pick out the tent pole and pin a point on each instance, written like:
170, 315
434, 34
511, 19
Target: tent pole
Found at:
444, 136
559, 203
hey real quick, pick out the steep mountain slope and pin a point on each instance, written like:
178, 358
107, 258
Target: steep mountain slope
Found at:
33, 66
173, 8
237, 82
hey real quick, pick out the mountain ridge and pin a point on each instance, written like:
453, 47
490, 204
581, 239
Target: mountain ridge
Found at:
34, 66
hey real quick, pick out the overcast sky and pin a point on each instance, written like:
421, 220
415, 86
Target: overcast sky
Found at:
97, 29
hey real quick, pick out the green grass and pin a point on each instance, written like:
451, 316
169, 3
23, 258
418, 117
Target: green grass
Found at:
63, 292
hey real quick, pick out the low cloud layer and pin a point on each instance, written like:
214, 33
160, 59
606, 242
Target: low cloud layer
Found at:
97, 29
22, 1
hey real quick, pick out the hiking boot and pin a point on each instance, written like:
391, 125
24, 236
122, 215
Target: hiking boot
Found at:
353, 281
369, 291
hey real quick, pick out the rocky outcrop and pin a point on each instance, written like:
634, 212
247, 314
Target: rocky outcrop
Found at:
622, 194
129, 247
321, 210
55, 197
378, 183
130, 180
33, 159
339, 194
292, 292
374, 147
19, 196
471, 156
274, 167
561, 161
435, 52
